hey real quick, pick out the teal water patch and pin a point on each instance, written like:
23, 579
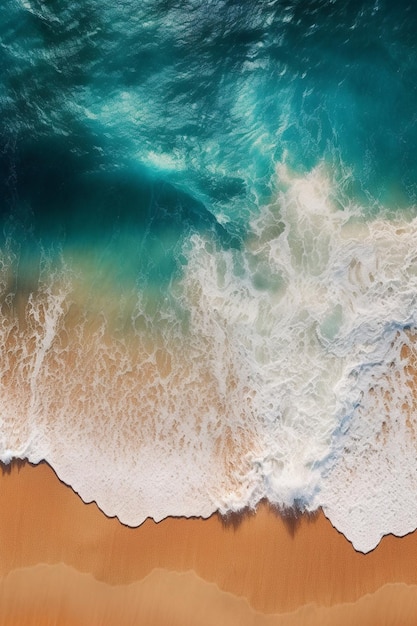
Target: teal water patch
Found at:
129, 221
353, 97
165, 119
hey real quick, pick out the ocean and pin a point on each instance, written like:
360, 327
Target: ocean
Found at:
208, 255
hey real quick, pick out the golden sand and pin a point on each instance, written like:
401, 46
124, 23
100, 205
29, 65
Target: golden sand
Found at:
64, 562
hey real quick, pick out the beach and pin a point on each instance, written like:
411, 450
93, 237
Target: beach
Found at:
208, 320
64, 562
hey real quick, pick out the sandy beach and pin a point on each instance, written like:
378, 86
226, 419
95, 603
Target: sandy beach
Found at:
64, 562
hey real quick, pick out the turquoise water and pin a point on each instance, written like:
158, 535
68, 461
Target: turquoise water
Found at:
236, 184
169, 117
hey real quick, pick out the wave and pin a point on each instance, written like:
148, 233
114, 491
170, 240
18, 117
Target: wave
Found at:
280, 369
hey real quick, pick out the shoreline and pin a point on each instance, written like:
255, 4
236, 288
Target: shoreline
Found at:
277, 564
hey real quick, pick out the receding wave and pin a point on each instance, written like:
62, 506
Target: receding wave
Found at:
283, 369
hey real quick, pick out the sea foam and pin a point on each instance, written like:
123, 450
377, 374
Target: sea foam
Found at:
284, 371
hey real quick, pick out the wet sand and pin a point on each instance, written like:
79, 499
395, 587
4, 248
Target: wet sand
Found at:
64, 562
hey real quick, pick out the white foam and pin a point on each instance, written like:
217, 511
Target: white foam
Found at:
370, 489
337, 294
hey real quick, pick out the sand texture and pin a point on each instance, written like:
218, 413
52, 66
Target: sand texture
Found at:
64, 562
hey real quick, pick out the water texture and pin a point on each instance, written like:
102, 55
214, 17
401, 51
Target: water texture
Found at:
208, 262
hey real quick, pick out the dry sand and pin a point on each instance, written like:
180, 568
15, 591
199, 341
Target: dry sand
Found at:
65, 563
